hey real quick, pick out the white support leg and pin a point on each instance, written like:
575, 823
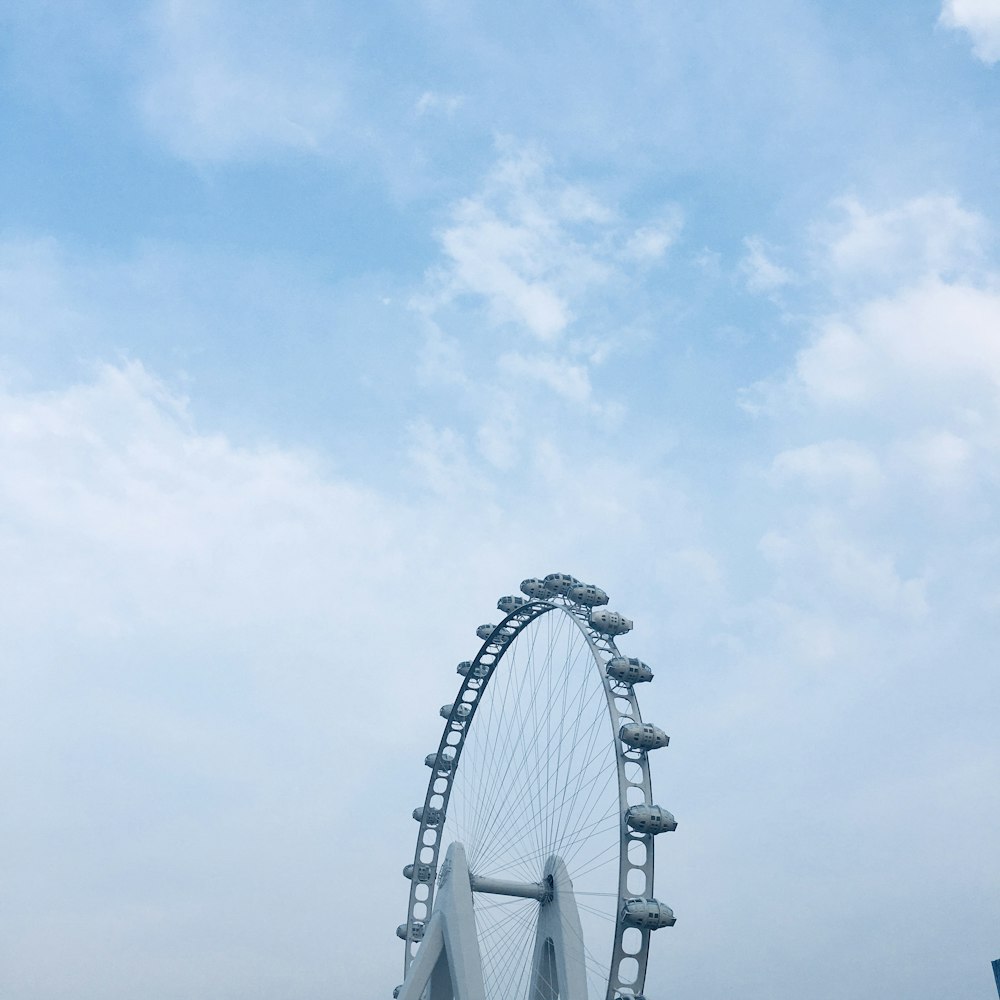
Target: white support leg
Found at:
557, 965
448, 963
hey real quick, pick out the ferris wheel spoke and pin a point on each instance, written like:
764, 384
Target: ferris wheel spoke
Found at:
577, 715
594, 801
597, 861
523, 774
506, 943
515, 833
611, 821
522, 783
515, 720
489, 771
593, 754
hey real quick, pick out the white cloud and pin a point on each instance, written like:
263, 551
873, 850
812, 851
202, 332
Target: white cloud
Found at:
980, 19
651, 242
901, 379
824, 561
515, 245
430, 101
944, 461
210, 649
846, 469
174, 611
929, 235
571, 381
540, 283
215, 86
762, 274
935, 344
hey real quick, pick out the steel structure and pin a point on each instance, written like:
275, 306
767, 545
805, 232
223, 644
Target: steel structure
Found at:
541, 781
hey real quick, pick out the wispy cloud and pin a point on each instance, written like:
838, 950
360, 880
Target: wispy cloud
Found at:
761, 272
980, 19
214, 87
525, 245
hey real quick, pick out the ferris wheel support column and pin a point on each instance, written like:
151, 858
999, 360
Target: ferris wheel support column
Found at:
449, 961
557, 964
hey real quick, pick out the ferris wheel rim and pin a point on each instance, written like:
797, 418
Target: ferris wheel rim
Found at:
447, 764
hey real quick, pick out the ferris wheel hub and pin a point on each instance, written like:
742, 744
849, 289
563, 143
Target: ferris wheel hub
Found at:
542, 891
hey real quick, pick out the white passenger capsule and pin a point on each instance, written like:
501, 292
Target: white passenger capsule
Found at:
586, 593
647, 914
643, 736
418, 931
629, 670
560, 582
650, 819
434, 816
438, 762
419, 873
511, 603
462, 713
465, 668
485, 631
535, 588
610, 622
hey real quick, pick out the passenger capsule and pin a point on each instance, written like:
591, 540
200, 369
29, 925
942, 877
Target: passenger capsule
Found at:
536, 588
629, 670
419, 873
585, 593
434, 816
650, 819
643, 736
438, 762
485, 631
560, 583
511, 603
465, 668
647, 914
610, 622
418, 930
462, 713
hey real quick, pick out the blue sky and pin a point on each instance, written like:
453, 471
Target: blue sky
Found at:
323, 326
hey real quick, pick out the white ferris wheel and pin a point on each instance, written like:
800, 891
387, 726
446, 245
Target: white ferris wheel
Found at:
540, 785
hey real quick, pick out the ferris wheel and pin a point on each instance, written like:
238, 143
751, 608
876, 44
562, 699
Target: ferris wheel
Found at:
540, 785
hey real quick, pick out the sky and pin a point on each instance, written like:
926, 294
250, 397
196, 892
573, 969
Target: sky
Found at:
324, 325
